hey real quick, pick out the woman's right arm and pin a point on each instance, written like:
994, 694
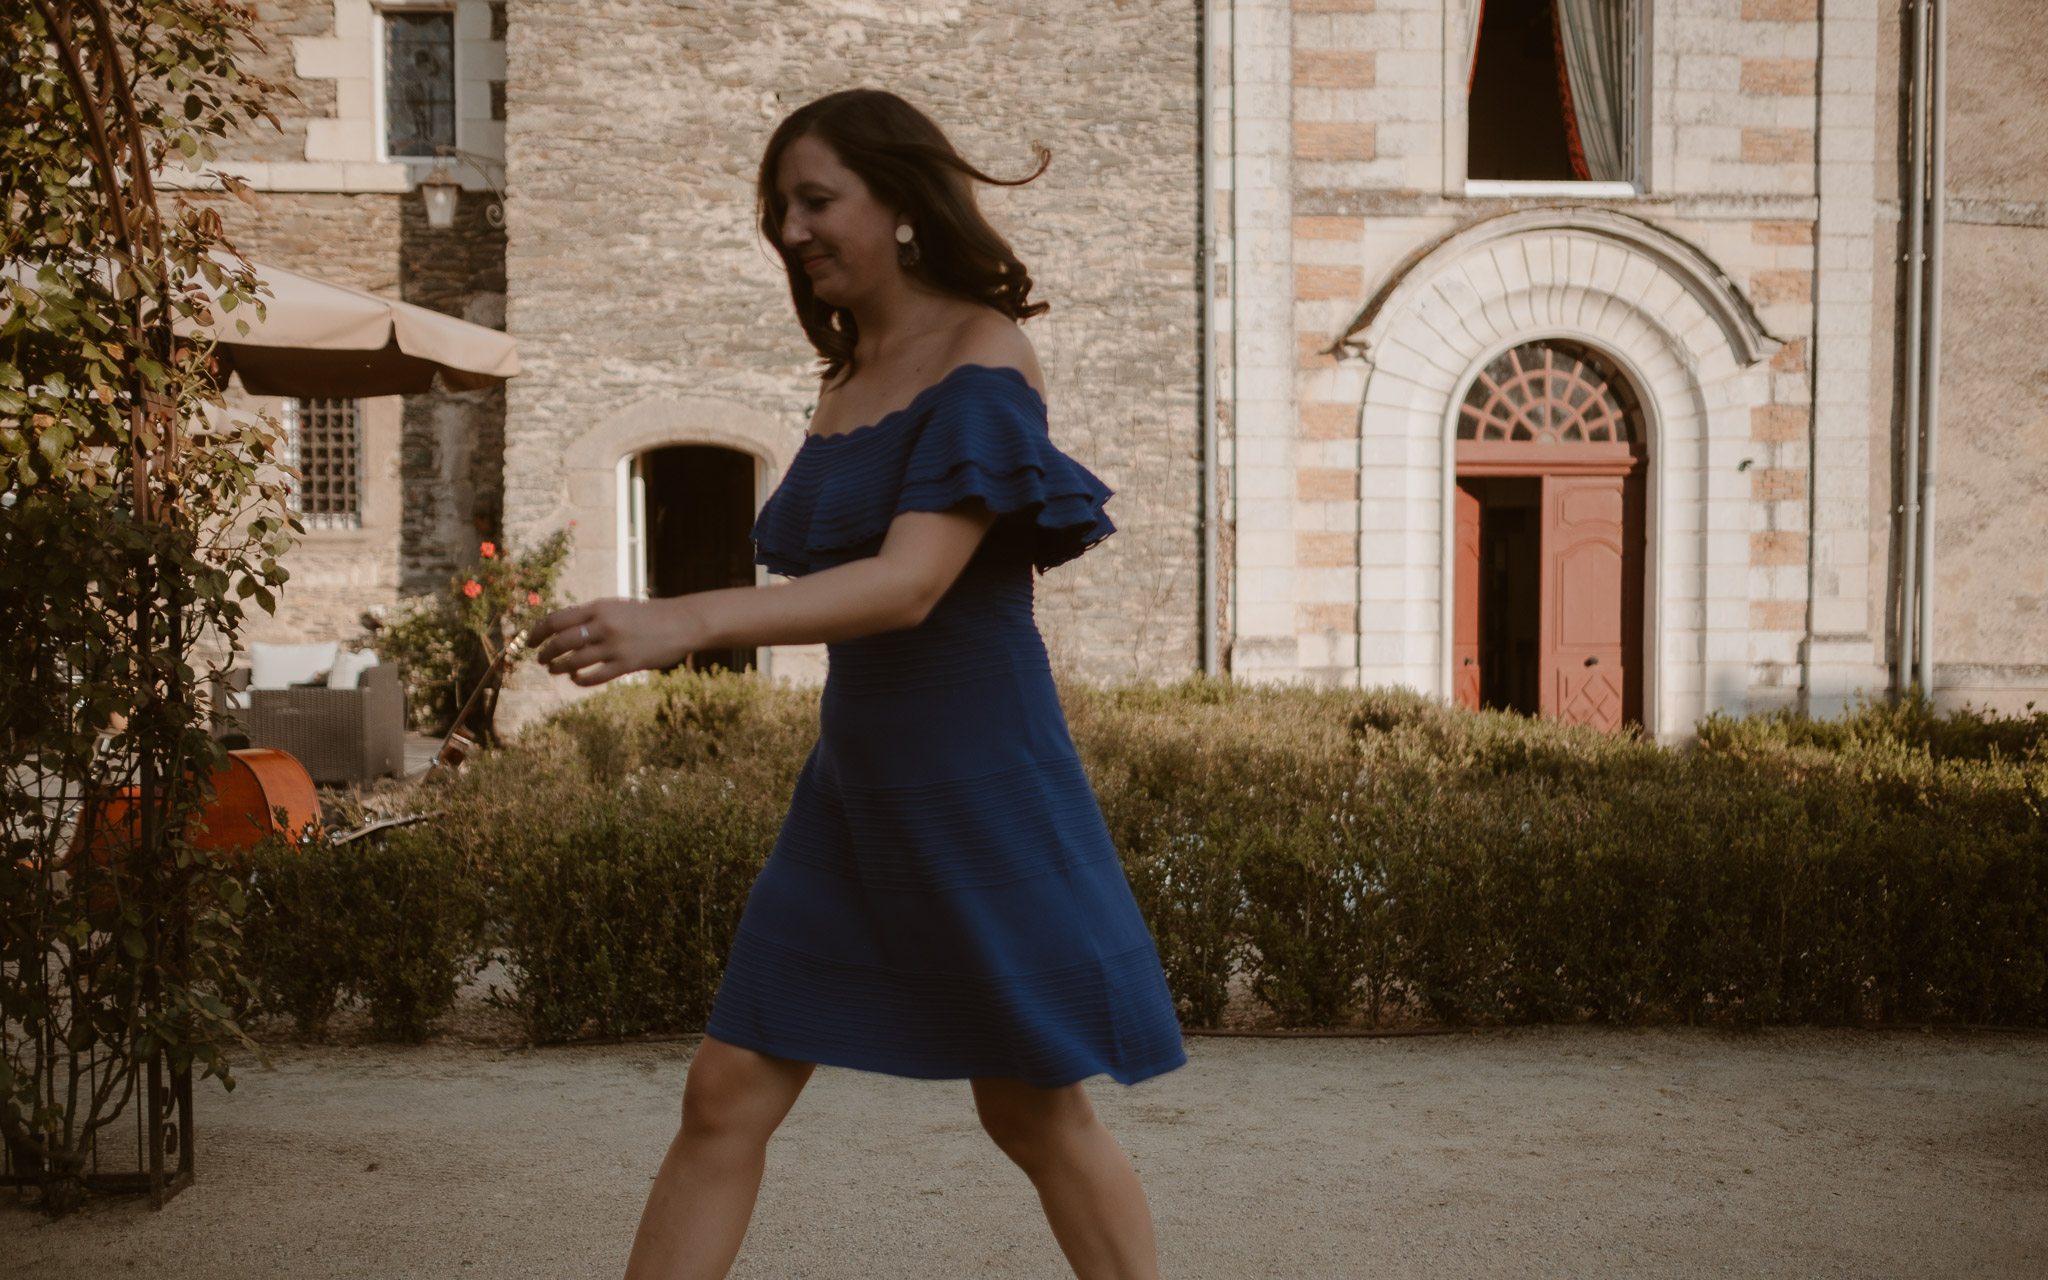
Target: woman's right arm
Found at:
920, 558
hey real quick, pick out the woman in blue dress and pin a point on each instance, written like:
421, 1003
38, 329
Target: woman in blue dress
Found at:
943, 900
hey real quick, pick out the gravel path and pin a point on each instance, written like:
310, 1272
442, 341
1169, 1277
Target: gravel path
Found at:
1548, 1152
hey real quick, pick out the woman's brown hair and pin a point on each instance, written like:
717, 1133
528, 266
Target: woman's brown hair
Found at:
907, 162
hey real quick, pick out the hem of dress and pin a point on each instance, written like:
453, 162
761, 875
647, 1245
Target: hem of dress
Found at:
854, 1061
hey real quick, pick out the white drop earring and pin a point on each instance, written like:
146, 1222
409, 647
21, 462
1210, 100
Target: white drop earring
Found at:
907, 252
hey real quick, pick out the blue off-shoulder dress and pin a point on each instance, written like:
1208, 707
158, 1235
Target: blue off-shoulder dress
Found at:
943, 900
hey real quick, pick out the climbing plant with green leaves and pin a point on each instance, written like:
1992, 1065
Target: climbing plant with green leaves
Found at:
138, 520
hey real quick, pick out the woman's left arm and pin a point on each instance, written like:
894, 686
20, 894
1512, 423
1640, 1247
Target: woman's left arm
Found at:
921, 556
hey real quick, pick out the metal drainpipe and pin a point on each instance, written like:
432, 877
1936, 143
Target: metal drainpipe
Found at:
1937, 200
1916, 266
1207, 503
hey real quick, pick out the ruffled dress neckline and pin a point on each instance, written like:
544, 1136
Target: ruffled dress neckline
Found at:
956, 371
976, 435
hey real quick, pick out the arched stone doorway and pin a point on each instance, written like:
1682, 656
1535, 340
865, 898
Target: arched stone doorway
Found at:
688, 511
1691, 351
1550, 544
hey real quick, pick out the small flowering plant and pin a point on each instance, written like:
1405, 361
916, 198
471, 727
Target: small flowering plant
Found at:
447, 643
503, 595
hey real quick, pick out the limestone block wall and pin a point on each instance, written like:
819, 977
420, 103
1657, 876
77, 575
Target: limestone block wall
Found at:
636, 279
1733, 168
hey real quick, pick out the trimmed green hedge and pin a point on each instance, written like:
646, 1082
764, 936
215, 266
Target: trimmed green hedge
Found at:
1349, 857
396, 922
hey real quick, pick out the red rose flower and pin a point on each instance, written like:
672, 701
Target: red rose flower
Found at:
533, 597
472, 590
490, 549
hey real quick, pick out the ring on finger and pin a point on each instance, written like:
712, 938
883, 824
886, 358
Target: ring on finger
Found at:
585, 633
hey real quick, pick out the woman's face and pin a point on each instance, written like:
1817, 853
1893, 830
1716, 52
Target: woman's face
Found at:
834, 228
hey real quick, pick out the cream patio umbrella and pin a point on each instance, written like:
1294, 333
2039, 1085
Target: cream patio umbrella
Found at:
319, 339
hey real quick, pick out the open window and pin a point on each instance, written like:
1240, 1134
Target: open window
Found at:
1553, 96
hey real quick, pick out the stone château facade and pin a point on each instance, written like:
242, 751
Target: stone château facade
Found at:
1292, 211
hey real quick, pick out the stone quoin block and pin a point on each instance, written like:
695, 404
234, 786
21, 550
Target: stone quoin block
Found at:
1326, 484
1785, 77
1325, 617
1777, 548
1328, 228
1777, 615
1776, 484
1333, 69
1313, 283
1312, 351
1781, 284
1781, 10
1325, 550
1323, 421
1777, 146
1790, 358
1779, 422
1781, 232
1338, 140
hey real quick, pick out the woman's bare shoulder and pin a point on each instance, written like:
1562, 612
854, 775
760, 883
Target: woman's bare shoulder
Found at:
993, 339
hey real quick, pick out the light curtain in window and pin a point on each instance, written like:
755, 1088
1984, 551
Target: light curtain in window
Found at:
1597, 38
1474, 11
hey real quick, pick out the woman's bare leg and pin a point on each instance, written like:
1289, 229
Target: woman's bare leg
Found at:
1090, 1192
697, 1211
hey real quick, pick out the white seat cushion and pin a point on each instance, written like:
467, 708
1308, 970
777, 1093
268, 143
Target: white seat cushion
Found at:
349, 667
280, 666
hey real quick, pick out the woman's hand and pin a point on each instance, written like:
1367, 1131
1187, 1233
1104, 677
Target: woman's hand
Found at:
605, 639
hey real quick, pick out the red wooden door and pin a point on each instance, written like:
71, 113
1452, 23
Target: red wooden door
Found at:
1584, 649
1465, 620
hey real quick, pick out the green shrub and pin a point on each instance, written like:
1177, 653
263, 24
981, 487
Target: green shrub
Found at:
416, 914
1486, 867
295, 934
617, 918
621, 839
396, 921
1343, 857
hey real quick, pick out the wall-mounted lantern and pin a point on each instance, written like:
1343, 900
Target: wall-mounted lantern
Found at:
439, 189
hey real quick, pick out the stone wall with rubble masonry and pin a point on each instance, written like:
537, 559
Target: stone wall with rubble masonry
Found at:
641, 292
431, 469
636, 276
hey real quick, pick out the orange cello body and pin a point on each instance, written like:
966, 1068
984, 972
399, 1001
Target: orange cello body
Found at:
247, 795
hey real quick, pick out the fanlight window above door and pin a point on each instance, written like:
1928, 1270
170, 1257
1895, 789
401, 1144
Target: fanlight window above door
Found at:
1549, 393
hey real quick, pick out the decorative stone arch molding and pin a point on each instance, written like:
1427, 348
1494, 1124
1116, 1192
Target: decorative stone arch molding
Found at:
590, 468
1692, 347
590, 465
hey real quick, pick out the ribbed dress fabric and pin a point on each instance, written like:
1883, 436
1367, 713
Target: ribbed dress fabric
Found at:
944, 900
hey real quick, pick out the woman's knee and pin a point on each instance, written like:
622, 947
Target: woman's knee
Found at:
738, 1095
1032, 1125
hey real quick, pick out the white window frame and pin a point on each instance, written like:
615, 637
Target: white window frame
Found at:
1458, 53
631, 505
381, 107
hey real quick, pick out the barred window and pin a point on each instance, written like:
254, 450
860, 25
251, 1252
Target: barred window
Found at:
323, 440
